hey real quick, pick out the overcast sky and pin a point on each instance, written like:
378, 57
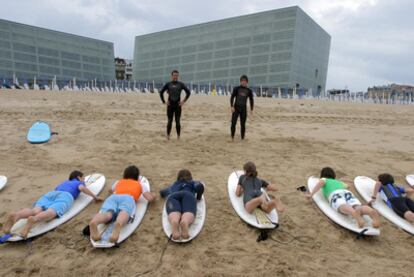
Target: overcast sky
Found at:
372, 40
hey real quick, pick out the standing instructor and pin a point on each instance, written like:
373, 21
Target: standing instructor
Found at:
238, 103
174, 102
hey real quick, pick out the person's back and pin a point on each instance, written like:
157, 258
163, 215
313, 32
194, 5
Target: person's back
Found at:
252, 187
330, 186
129, 187
71, 186
390, 191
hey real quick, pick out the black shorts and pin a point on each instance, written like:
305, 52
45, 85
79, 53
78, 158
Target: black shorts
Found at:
401, 205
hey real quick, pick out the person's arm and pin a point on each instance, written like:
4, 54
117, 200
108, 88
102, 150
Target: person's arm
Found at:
167, 191
269, 187
187, 92
233, 96
199, 189
319, 185
408, 191
149, 196
251, 100
85, 190
239, 188
375, 192
164, 88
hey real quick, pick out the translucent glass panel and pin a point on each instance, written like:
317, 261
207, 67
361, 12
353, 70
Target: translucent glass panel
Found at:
40, 52
5, 54
260, 45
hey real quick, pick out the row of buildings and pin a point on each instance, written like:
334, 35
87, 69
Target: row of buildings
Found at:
277, 48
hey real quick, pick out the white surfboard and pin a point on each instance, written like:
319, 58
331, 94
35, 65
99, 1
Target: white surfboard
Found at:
129, 228
94, 183
195, 228
345, 221
238, 205
3, 181
410, 179
365, 187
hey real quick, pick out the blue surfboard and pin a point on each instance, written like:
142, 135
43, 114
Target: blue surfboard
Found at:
39, 132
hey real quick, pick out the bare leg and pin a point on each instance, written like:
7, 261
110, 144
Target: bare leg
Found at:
409, 216
349, 210
40, 217
255, 202
16, 216
186, 220
174, 219
99, 218
268, 206
366, 210
278, 205
121, 220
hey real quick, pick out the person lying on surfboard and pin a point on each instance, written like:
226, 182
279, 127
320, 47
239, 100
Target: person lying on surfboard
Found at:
342, 200
181, 203
395, 196
52, 204
250, 186
120, 206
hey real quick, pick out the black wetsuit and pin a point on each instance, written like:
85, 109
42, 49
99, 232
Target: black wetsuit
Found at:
173, 105
238, 100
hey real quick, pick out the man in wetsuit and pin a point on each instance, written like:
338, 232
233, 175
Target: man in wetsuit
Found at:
238, 102
174, 102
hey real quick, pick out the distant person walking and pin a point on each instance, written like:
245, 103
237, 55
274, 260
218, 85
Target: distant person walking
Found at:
174, 103
238, 103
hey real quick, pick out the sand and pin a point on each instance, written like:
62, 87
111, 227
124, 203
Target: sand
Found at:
289, 140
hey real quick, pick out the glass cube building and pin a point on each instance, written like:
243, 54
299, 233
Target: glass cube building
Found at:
280, 48
27, 52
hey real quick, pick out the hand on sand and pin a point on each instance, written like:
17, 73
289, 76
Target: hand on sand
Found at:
98, 199
150, 196
308, 195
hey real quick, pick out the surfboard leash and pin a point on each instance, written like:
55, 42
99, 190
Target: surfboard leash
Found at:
159, 263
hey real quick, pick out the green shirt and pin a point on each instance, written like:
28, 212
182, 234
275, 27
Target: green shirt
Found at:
330, 186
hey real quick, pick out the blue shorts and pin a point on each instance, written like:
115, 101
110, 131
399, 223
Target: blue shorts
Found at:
117, 203
59, 201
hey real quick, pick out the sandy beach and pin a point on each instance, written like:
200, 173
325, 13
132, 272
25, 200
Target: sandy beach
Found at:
289, 140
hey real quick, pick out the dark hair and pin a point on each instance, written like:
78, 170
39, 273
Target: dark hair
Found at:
386, 179
131, 172
328, 172
184, 175
250, 169
75, 175
244, 77
175, 71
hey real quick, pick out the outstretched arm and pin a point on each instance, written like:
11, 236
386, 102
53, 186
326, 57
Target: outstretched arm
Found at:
320, 184
149, 196
375, 192
85, 190
272, 187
